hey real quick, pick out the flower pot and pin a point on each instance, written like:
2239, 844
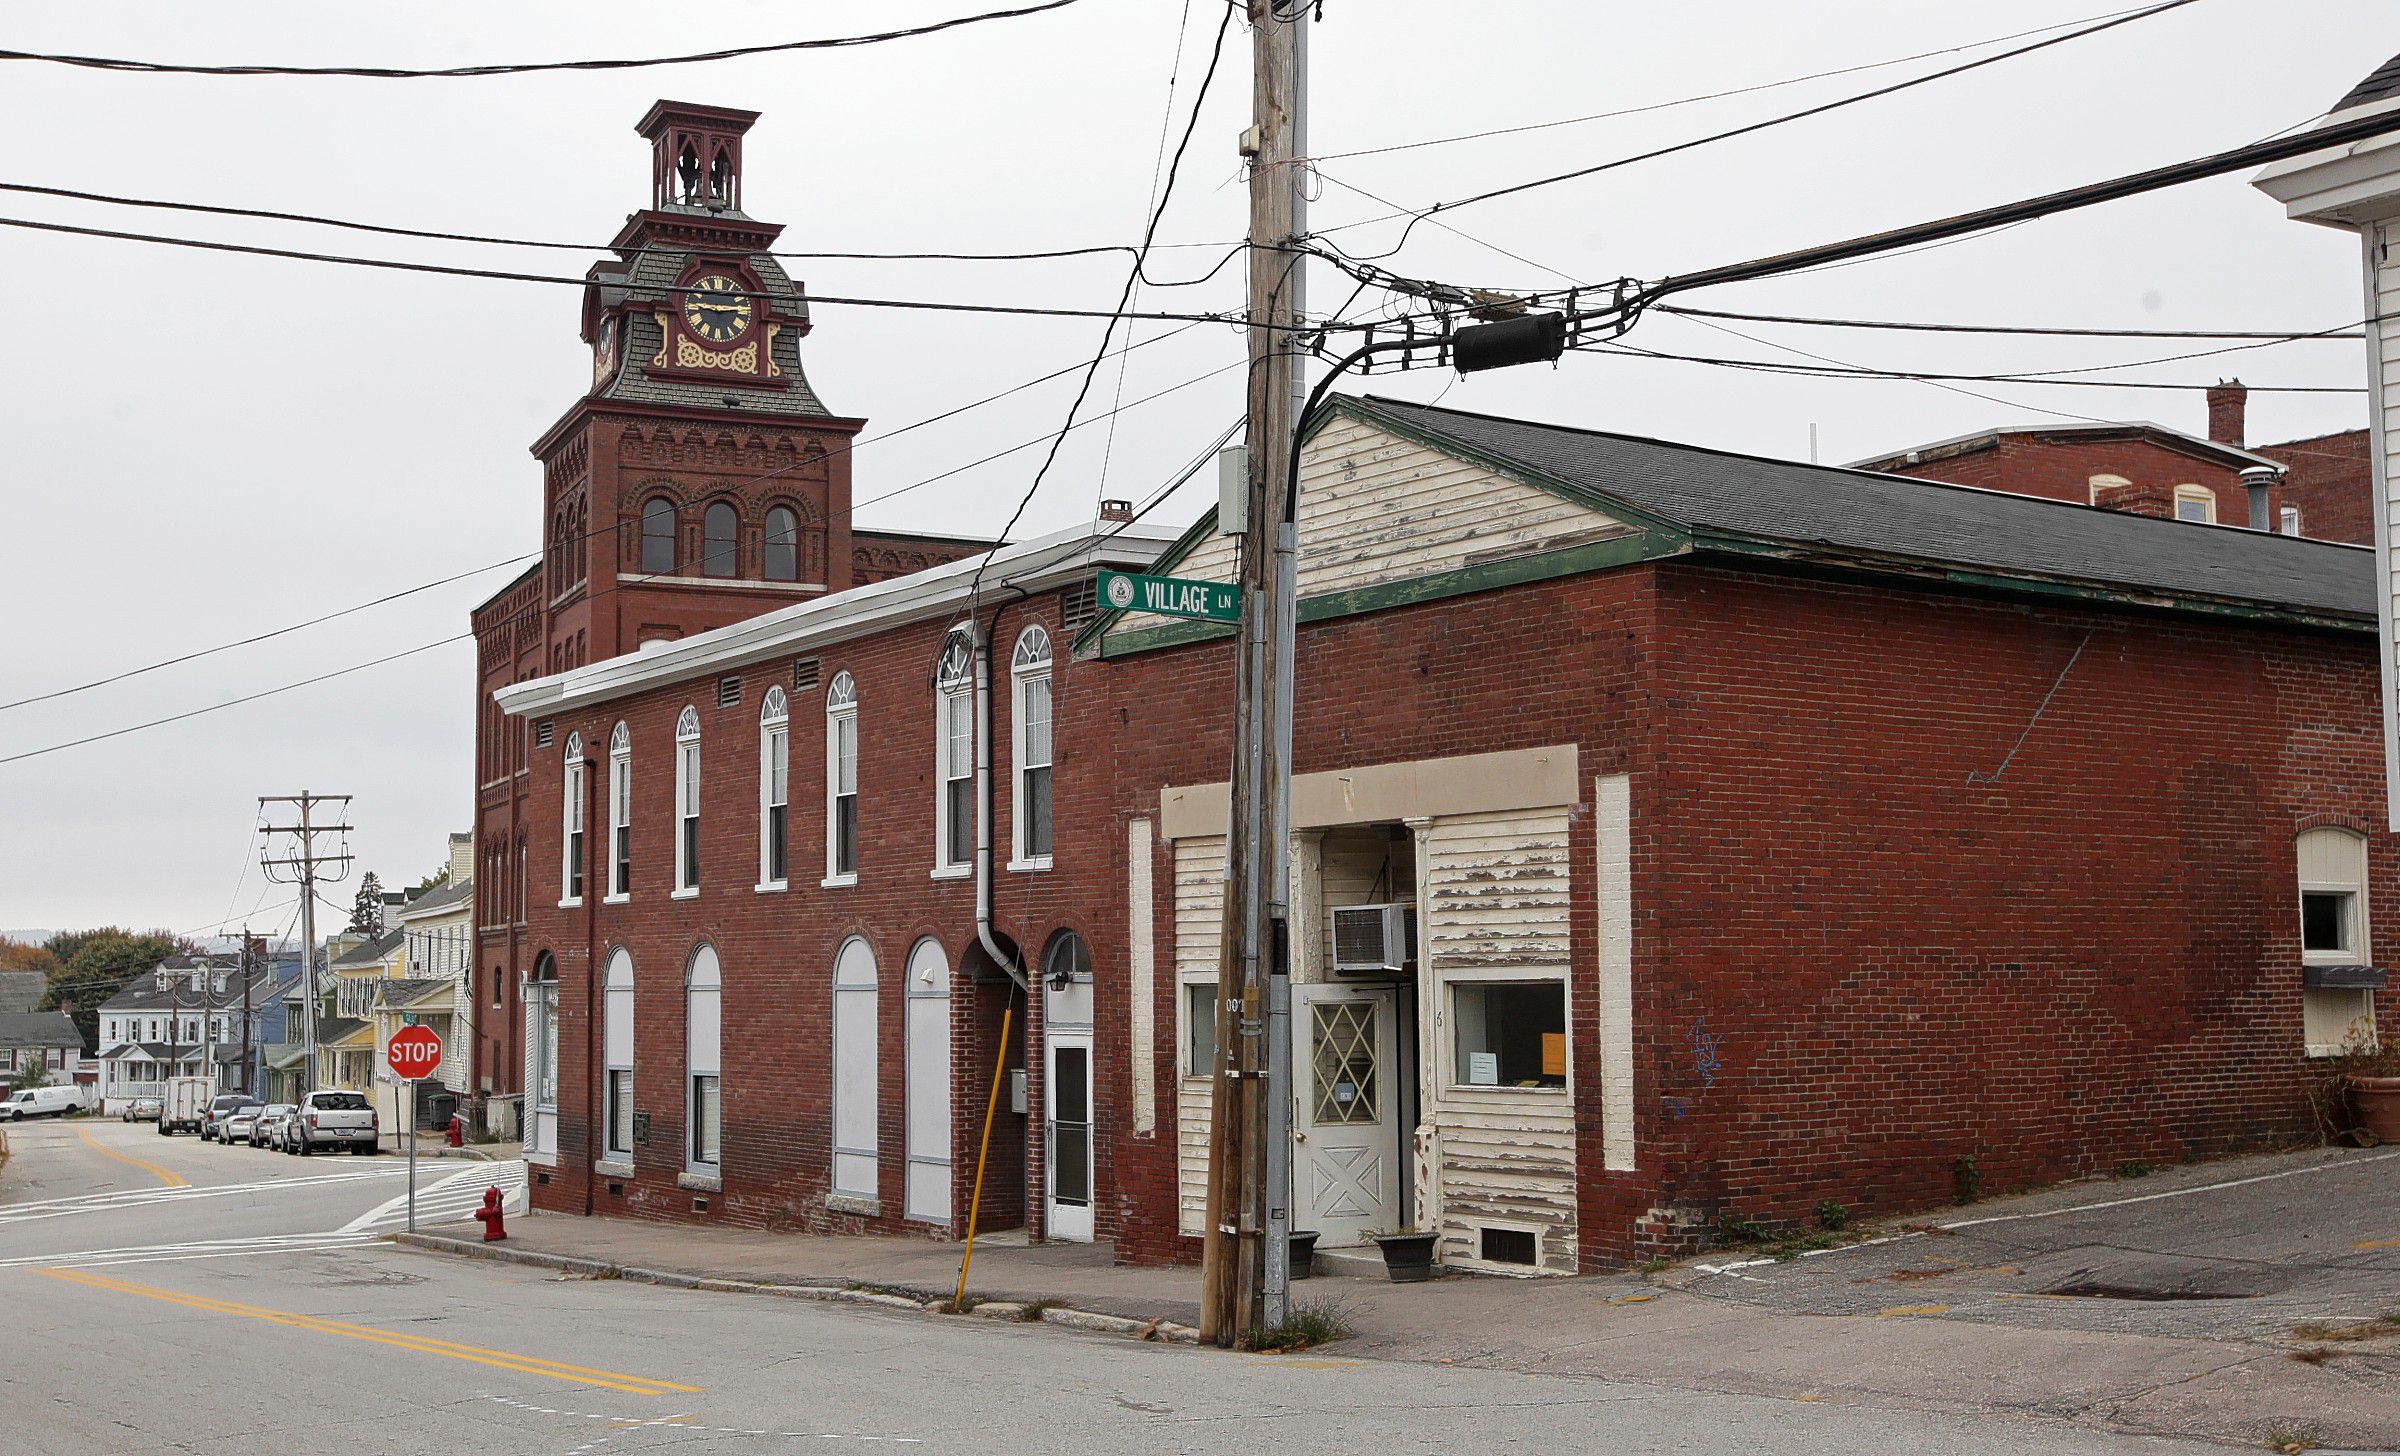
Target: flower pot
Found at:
1302, 1256
2378, 1102
1407, 1258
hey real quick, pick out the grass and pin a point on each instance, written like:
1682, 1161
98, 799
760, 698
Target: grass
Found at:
2292, 1438
2134, 1169
1318, 1322
2384, 1327
1653, 1266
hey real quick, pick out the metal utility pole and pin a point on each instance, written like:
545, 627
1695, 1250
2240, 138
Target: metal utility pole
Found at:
1244, 1254
306, 866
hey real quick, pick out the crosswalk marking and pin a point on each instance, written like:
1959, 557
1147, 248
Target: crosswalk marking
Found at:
197, 1249
16, 1213
449, 1200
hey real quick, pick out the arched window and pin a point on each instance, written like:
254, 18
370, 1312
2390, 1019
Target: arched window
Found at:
1029, 672
704, 1100
841, 780
541, 1058
718, 552
571, 812
954, 755
2332, 875
783, 544
774, 789
658, 535
2195, 503
617, 1055
620, 813
856, 1080
926, 1112
687, 802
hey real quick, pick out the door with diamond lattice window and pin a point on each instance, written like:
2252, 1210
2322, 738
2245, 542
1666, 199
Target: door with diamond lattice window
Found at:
1346, 1152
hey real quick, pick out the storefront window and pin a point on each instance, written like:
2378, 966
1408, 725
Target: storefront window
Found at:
1510, 1033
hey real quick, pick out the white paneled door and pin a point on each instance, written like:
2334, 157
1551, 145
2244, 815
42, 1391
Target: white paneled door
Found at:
928, 1085
854, 1071
1346, 1153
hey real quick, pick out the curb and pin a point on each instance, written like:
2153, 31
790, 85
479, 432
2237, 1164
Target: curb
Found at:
1160, 1330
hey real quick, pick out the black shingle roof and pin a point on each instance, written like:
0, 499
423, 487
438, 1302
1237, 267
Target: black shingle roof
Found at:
650, 279
2381, 84
38, 1029
1867, 514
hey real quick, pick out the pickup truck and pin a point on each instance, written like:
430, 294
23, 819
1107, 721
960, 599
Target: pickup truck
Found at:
328, 1121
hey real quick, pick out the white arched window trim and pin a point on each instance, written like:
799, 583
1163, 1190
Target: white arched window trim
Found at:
2195, 503
703, 1062
954, 755
1030, 736
573, 809
620, 817
774, 791
687, 804
616, 1060
841, 782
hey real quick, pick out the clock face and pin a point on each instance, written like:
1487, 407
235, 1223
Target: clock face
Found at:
716, 308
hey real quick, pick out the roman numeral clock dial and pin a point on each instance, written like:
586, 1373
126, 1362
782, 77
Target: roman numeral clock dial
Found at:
716, 308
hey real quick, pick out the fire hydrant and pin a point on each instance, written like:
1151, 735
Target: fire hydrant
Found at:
458, 1131
489, 1217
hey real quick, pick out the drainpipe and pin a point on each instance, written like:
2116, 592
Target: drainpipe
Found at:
2257, 479
982, 646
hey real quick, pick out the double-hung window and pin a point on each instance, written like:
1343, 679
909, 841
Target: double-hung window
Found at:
703, 996
841, 780
687, 802
571, 807
774, 789
2337, 1010
954, 757
620, 813
1029, 670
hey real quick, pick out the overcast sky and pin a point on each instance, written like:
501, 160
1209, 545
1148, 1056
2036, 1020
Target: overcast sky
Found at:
203, 446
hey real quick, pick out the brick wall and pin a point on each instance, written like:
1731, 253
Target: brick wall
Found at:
2061, 467
2332, 481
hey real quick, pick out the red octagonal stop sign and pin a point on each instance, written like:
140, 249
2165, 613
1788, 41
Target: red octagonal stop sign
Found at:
414, 1052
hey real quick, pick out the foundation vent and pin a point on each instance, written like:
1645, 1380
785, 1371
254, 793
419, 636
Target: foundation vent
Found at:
1507, 1246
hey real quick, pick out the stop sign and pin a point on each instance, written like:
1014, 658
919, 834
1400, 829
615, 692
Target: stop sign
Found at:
414, 1052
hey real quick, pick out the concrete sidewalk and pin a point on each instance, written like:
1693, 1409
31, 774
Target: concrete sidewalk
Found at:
1833, 1328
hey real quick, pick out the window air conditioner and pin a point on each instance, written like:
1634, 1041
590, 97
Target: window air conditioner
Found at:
1372, 940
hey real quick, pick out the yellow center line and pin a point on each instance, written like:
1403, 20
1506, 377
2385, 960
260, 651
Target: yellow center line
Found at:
423, 1344
155, 1171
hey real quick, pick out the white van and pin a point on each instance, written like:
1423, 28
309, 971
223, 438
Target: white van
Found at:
41, 1102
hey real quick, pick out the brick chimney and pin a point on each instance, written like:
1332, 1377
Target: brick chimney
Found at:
2228, 400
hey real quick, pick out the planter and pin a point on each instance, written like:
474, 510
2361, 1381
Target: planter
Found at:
2378, 1102
1407, 1257
1302, 1256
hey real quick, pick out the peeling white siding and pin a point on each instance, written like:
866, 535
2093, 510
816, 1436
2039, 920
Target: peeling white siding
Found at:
1142, 975
1495, 908
1199, 933
1376, 508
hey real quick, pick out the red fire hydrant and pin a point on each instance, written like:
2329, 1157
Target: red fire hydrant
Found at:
458, 1131
489, 1217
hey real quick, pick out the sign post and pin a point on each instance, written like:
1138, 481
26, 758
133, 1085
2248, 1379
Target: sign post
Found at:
1171, 596
414, 1053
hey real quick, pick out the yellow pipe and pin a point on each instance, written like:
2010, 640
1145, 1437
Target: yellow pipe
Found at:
991, 1107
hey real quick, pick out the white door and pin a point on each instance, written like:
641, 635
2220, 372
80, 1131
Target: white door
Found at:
928, 1084
854, 1071
1345, 1133
1069, 1137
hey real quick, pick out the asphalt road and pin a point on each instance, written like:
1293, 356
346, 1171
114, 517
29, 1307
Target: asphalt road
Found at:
165, 1295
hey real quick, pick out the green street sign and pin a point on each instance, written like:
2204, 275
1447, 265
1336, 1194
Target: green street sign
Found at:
1171, 596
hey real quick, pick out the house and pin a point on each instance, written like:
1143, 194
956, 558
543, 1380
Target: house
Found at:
44, 1040
357, 971
190, 1016
434, 987
22, 990
1726, 835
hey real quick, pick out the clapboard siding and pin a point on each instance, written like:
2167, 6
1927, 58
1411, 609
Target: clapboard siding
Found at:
1359, 869
1497, 890
1199, 933
1376, 509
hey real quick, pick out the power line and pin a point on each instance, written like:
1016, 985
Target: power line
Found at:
1049, 436
2339, 331
1474, 136
2126, 18
521, 68
1860, 371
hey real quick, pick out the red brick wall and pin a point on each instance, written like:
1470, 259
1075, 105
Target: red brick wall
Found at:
2061, 468
2332, 481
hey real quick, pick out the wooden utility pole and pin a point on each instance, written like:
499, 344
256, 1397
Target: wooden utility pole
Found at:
308, 866
1236, 1251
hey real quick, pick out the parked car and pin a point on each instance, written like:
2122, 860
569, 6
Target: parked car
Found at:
239, 1122
326, 1121
266, 1130
143, 1109
41, 1102
184, 1107
212, 1126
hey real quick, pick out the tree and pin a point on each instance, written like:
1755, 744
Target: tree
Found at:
437, 878
366, 912
96, 964
18, 955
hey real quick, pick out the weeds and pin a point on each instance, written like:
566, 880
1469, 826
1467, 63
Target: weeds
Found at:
1966, 1180
1032, 1313
2292, 1439
1653, 1266
1738, 1229
2134, 1168
1319, 1322
1832, 1217
2385, 1327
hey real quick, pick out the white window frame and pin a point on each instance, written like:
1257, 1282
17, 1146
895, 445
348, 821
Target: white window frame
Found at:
2201, 496
841, 778
617, 1058
953, 746
703, 1055
620, 817
2287, 520
2099, 483
1029, 671
572, 811
687, 804
774, 790
2329, 1016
